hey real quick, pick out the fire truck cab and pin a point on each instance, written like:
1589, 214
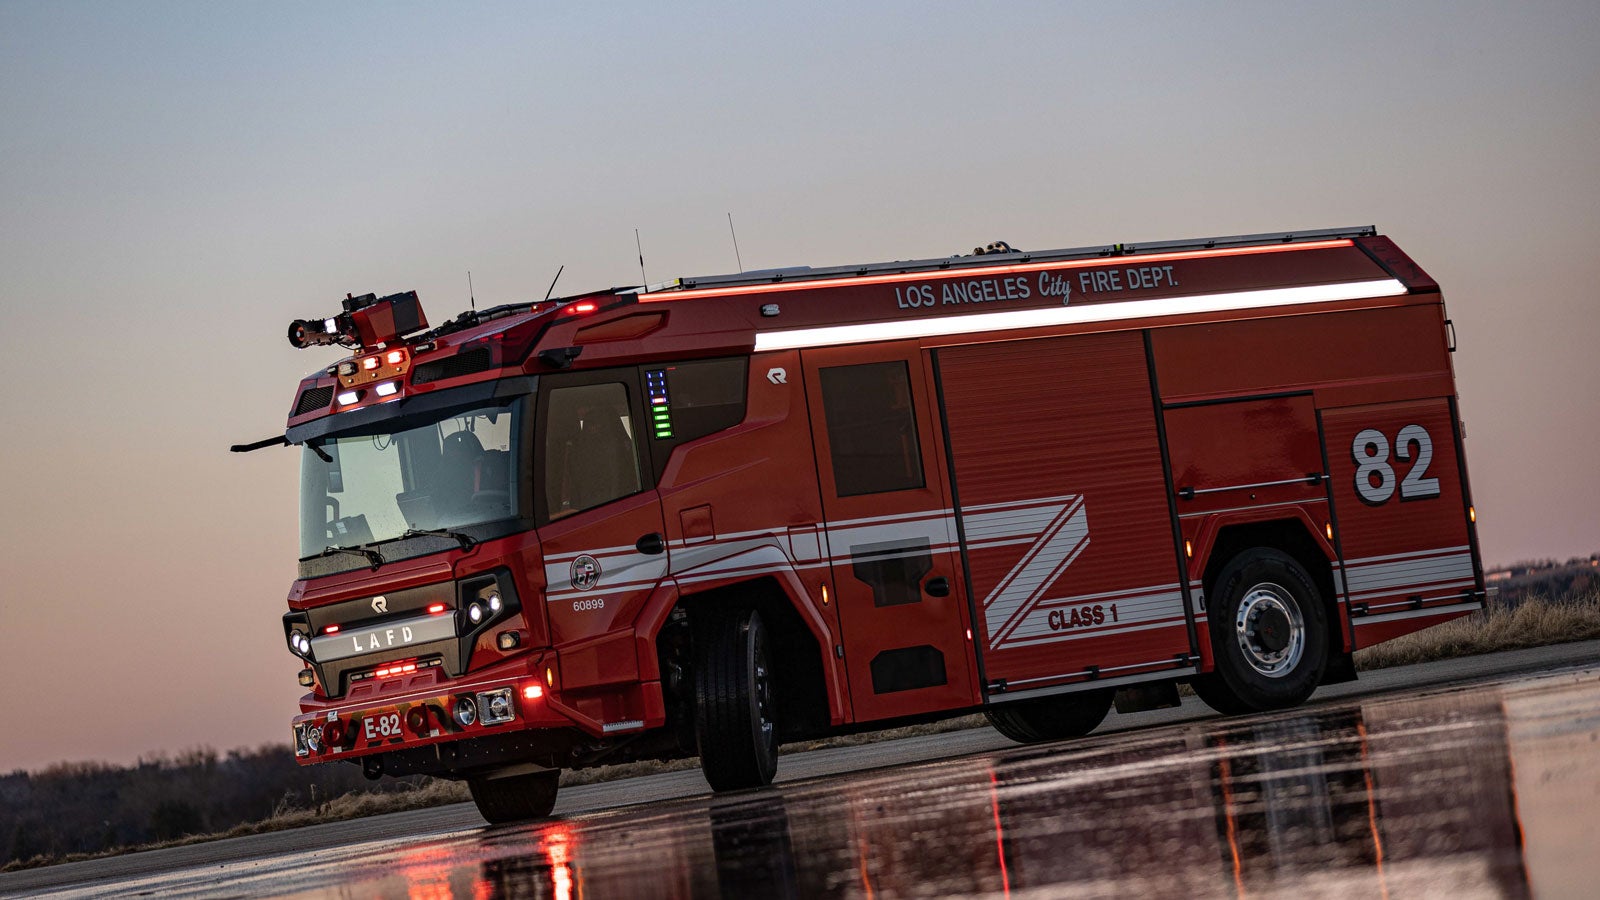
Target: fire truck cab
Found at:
714, 515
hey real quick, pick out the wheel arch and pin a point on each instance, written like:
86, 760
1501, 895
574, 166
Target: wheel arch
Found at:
803, 685
1296, 537
812, 683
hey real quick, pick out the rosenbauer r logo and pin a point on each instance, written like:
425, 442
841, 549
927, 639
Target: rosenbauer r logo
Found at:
585, 572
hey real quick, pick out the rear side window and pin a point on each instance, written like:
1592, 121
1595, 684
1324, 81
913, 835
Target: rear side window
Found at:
688, 400
872, 428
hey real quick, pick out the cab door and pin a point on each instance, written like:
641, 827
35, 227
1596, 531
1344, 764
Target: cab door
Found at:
597, 510
890, 531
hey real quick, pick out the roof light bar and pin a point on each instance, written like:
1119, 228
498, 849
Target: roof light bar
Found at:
1070, 315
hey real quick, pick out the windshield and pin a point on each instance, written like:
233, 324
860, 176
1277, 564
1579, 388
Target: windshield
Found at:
453, 471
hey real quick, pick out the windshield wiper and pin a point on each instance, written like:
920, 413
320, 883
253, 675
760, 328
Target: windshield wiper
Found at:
466, 541
371, 556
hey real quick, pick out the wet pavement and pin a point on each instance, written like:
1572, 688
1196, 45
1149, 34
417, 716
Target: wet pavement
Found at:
1489, 790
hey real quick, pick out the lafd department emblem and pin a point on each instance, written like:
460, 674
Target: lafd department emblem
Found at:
585, 572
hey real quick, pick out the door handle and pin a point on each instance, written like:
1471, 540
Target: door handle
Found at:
651, 544
937, 587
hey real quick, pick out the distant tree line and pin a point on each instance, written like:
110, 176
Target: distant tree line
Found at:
86, 807
1552, 580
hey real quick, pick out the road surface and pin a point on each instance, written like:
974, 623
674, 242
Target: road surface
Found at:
1477, 776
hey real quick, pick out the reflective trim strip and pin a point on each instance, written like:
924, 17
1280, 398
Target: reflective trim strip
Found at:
1078, 634
938, 326
1401, 575
1015, 595
1136, 609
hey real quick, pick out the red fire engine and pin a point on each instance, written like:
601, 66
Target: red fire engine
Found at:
709, 516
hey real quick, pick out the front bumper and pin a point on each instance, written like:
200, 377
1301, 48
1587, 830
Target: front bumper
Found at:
426, 717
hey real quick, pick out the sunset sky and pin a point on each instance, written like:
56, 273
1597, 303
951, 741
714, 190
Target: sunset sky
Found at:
179, 180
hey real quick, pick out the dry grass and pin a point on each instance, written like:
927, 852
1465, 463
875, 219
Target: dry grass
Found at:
1534, 623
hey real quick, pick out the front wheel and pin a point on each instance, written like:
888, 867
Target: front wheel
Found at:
1051, 718
516, 797
735, 717
1269, 635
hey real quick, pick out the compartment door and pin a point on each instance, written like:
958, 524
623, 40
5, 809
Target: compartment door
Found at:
1401, 513
1064, 511
890, 531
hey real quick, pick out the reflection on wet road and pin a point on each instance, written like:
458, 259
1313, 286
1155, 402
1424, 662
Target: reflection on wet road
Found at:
1492, 790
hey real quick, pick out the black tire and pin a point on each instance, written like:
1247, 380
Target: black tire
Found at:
515, 798
735, 717
1269, 635
1051, 718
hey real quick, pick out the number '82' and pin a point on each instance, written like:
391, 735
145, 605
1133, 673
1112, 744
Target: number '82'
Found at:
1375, 480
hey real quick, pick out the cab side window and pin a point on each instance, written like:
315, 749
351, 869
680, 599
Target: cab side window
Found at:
590, 454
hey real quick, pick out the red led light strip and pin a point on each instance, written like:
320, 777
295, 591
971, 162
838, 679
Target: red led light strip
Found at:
1017, 268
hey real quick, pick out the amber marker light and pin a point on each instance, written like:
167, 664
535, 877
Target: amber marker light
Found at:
550, 677
824, 595
1472, 514
1328, 530
1188, 549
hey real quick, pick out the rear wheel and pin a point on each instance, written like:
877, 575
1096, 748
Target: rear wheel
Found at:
1051, 718
735, 717
516, 797
1269, 635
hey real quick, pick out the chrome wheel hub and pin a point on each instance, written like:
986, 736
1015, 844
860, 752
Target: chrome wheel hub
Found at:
1270, 630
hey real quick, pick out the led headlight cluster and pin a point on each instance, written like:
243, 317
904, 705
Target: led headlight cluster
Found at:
485, 608
300, 644
483, 601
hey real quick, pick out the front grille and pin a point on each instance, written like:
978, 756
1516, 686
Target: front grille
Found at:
452, 367
314, 399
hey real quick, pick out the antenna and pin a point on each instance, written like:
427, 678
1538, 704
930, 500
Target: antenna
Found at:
553, 282
643, 278
735, 234
470, 297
